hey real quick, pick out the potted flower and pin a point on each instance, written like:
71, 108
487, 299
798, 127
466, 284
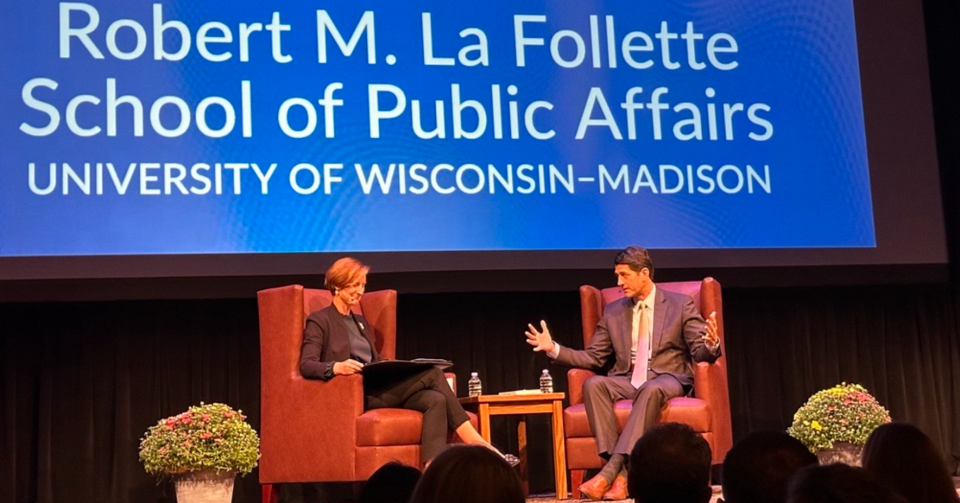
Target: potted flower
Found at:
835, 423
202, 449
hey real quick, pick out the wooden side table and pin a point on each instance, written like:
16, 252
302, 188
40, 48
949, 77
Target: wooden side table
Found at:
521, 405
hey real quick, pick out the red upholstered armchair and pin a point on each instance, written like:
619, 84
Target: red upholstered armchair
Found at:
707, 412
315, 431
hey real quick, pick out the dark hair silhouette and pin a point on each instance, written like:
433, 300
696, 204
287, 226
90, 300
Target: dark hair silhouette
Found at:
838, 483
904, 459
391, 483
468, 474
758, 468
670, 464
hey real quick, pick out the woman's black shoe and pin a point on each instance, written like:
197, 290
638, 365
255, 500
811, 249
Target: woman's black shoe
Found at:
511, 460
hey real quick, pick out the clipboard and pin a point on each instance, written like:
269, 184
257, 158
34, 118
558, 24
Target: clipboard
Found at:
389, 369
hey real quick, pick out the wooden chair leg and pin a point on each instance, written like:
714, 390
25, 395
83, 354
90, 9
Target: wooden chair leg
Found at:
270, 493
576, 480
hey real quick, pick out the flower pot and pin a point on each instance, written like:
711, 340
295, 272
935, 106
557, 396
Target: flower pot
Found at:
842, 452
207, 486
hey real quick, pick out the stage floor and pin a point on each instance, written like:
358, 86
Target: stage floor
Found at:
549, 498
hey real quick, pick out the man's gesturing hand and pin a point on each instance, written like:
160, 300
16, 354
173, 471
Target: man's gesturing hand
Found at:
541, 341
712, 337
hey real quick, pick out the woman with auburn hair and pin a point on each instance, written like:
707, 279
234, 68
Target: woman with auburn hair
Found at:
336, 342
904, 459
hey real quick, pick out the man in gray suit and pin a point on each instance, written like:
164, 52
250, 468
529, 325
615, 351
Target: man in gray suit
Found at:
647, 342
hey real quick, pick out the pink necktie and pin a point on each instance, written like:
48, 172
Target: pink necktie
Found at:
640, 364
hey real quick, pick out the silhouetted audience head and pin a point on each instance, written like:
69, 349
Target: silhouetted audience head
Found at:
904, 459
759, 467
468, 474
391, 483
670, 464
838, 483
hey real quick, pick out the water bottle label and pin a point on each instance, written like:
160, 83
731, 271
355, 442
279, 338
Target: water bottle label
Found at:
474, 386
546, 384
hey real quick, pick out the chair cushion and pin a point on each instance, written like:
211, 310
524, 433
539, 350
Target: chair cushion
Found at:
385, 427
690, 411
582, 452
370, 458
389, 427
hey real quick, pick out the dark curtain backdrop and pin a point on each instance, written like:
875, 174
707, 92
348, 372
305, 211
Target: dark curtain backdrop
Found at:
81, 382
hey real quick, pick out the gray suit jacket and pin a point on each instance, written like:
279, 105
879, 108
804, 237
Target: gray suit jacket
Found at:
677, 340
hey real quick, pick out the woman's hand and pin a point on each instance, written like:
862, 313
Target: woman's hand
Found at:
346, 367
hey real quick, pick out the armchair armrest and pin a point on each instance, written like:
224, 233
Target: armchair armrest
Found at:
575, 380
340, 397
708, 382
710, 385
323, 414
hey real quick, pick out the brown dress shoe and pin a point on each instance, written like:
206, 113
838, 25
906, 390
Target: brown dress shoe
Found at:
595, 488
618, 490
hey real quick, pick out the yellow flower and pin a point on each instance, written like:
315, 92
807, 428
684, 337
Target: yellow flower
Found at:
815, 425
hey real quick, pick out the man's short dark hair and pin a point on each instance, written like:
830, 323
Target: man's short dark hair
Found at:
670, 464
759, 467
636, 258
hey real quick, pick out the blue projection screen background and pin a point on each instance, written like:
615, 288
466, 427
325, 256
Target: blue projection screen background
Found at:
183, 127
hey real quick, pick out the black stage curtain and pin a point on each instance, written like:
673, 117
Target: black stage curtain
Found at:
82, 382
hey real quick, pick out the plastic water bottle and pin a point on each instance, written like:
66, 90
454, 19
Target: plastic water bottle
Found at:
474, 386
546, 382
